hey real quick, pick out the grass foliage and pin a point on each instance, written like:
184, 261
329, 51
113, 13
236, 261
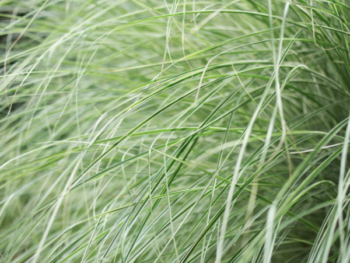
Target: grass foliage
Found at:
175, 131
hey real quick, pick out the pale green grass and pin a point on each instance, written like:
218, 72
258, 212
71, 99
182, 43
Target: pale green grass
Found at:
183, 131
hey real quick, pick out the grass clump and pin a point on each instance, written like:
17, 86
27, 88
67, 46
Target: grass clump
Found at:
183, 131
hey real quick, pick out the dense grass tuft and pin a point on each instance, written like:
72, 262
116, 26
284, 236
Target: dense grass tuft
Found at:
183, 131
